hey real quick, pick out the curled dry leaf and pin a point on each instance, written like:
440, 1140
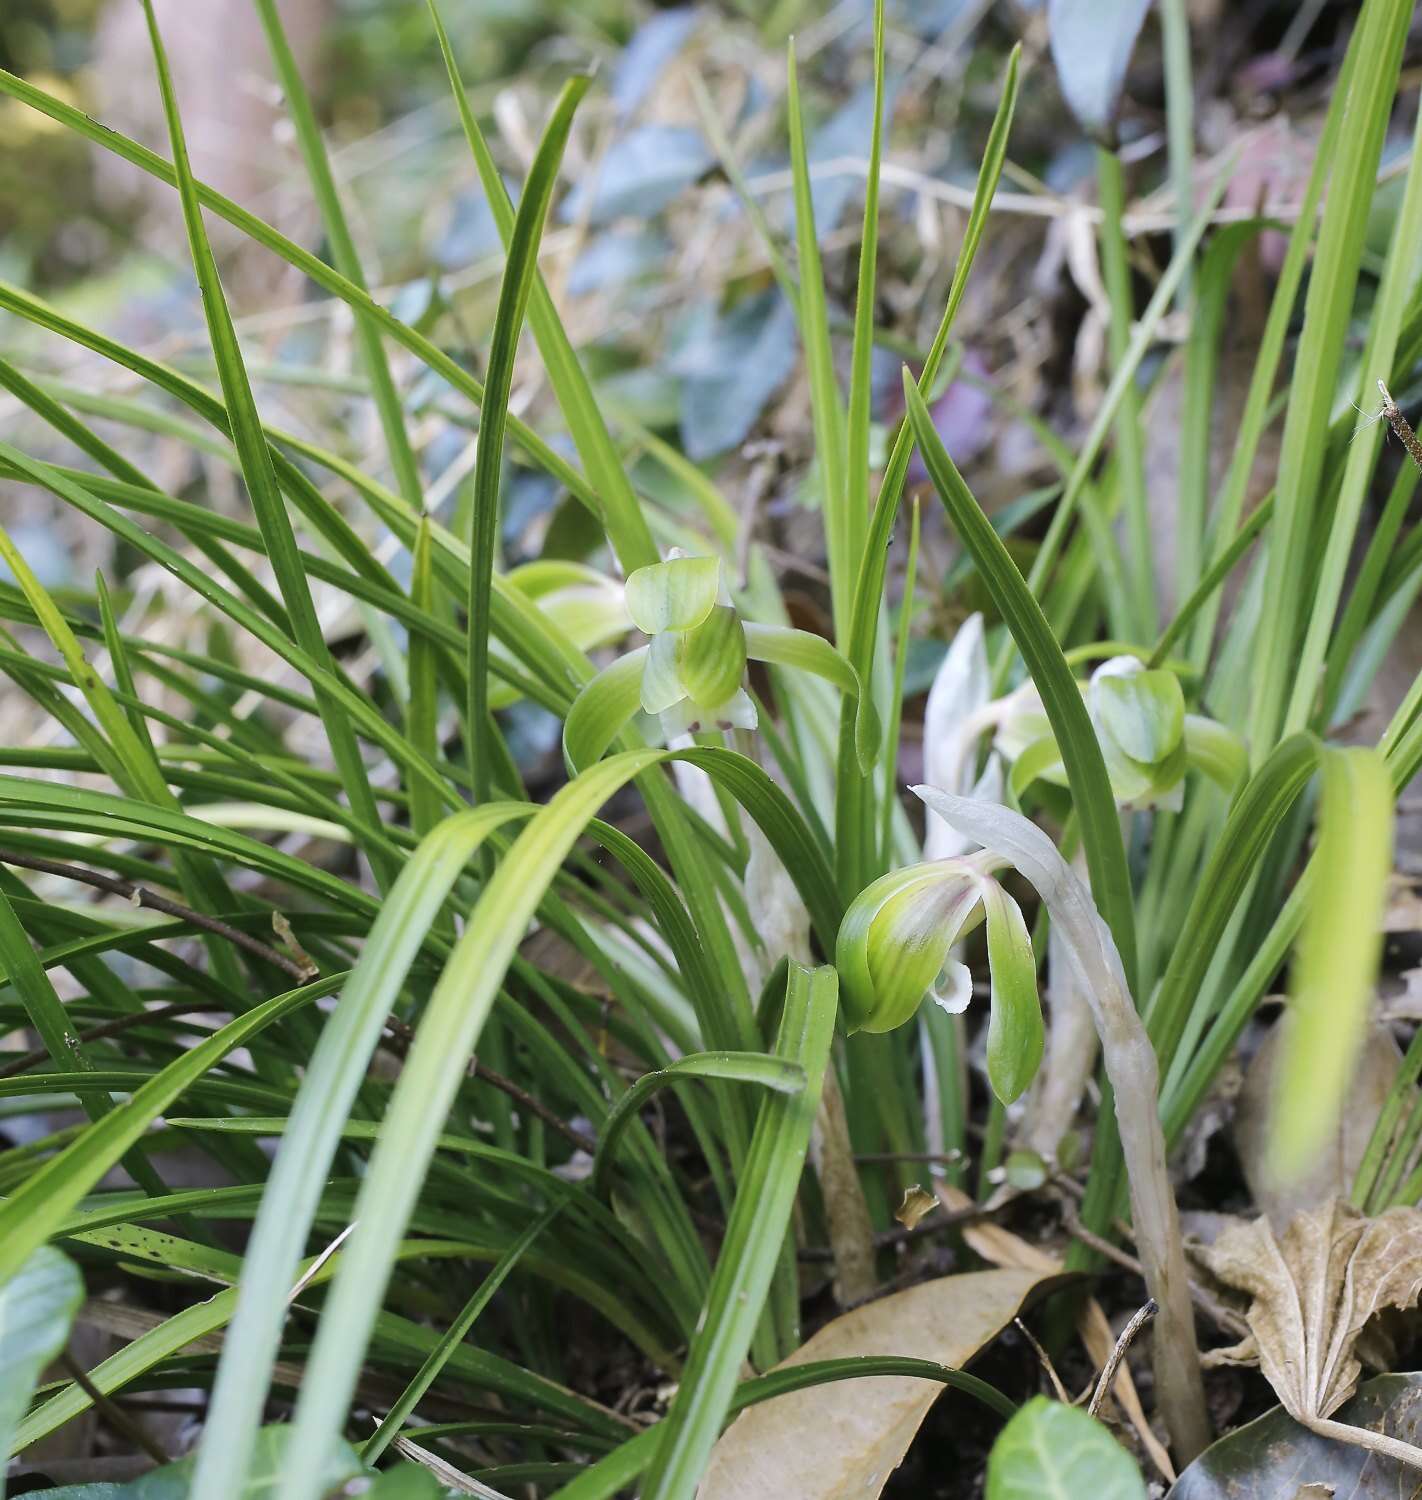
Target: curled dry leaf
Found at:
917, 1202
862, 1428
1314, 1291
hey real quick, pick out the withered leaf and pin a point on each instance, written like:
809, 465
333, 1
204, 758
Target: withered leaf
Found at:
917, 1202
1313, 1291
1274, 1458
861, 1429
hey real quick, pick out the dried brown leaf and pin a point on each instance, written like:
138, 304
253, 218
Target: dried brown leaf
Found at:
918, 1201
862, 1428
1313, 1291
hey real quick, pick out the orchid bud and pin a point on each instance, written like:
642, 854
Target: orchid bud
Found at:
894, 949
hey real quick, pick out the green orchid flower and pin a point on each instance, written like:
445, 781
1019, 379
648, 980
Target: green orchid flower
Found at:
894, 948
690, 676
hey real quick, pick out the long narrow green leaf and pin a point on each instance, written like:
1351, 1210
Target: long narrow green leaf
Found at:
1384, 330
343, 251
476, 1367
853, 820
1081, 753
519, 272
1143, 335
1382, 29
327, 1093
826, 408
1336, 965
856, 517
1129, 453
740, 1067
309, 265
454, 1336
1255, 817
626, 525
433, 1070
250, 442
135, 767
422, 719
752, 1247
320, 669
29, 1216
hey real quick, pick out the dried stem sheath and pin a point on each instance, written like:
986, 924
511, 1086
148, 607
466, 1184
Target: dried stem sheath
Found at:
1131, 1068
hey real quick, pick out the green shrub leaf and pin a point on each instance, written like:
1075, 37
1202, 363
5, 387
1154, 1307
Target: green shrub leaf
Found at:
1050, 1451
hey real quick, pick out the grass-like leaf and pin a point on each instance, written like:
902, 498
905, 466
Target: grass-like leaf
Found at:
764, 1198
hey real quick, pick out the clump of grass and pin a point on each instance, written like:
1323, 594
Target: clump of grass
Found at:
501, 1143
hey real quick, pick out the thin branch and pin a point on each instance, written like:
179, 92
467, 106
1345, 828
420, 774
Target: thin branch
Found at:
403, 1035
124, 1423
141, 896
1045, 1360
1215, 1310
1108, 1372
126, 1022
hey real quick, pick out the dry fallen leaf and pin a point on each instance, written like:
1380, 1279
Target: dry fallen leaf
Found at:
862, 1428
917, 1202
1313, 1291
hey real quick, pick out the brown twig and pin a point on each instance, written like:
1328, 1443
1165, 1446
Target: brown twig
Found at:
404, 1035
1045, 1360
124, 1423
1400, 425
1108, 1371
141, 896
28, 1060
885, 1239
1215, 1310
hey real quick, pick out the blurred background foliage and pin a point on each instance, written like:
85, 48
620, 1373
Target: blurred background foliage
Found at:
666, 283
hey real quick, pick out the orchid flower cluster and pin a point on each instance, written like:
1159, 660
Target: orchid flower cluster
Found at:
690, 676
896, 943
